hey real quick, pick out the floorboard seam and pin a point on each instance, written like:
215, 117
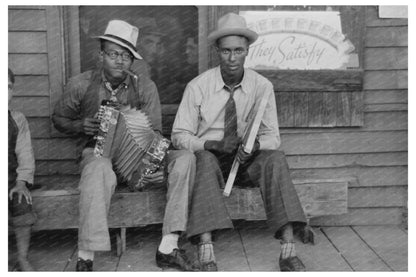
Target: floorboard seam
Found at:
372, 249
70, 258
244, 249
342, 256
118, 262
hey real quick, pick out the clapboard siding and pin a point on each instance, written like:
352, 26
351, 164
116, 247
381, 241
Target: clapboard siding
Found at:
377, 80
385, 96
377, 197
29, 64
386, 36
39, 127
55, 149
385, 58
27, 42
347, 160
392, 120
365, 176
31, 85
31, 106
27, 20
344, 142
51, 167
386, 107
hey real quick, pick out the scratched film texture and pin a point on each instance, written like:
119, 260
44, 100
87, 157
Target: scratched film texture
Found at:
370, 159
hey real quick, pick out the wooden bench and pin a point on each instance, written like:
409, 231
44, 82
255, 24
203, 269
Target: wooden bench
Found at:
58, 209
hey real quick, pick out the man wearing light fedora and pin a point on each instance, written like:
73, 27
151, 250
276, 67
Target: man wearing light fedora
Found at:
75, 114
210, 122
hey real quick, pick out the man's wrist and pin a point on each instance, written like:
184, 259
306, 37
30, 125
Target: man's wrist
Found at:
79, 126
211, 145
21, 183
256, 145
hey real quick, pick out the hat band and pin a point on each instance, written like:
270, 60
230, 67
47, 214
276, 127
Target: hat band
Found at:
122, 40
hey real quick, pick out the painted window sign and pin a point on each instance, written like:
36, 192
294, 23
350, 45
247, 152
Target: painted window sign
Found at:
298, 40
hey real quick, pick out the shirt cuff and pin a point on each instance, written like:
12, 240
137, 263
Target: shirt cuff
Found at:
198, 145
25, 179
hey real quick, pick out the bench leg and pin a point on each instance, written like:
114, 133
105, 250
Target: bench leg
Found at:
121, 242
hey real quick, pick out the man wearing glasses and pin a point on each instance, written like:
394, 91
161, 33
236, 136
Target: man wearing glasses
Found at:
75, 114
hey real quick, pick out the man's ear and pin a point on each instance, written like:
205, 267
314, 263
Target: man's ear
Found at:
101, 56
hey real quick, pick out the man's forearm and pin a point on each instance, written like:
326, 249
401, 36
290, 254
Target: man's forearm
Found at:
68, 126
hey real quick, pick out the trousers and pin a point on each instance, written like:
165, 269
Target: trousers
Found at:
268, 169
97, 185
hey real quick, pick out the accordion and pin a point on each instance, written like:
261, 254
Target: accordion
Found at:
126, 136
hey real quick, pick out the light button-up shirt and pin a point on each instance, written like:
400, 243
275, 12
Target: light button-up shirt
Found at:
200, 116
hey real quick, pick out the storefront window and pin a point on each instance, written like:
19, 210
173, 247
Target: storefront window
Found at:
168, 42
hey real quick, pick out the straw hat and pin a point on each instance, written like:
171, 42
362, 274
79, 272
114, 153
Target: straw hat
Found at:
123, 34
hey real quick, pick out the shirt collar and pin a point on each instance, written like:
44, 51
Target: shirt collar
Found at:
246, 85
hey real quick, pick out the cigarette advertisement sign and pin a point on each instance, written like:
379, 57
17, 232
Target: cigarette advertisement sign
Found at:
298, 40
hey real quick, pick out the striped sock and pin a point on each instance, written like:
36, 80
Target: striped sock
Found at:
288, 250
206, 252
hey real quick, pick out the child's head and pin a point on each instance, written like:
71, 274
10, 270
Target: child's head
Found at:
11, 84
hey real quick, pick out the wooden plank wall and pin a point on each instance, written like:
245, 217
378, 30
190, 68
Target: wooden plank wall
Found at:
377, 153
374, 155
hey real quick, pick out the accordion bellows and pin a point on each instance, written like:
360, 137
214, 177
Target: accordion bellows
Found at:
128, 139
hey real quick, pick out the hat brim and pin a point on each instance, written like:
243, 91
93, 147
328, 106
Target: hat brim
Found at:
249, 34
122, 44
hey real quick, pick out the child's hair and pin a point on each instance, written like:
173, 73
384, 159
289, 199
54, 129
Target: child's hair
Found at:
11, 76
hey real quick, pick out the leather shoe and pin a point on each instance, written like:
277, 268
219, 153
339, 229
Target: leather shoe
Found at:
84, 265
209, 266
291, 264
176, 259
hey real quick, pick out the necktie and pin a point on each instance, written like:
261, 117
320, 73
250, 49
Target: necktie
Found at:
230, 119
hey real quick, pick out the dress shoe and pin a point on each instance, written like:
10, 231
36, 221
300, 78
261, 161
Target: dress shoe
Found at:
291, 264
176, 259
84, 265
209, 266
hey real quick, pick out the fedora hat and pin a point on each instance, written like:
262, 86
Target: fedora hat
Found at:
232, 24
123, 34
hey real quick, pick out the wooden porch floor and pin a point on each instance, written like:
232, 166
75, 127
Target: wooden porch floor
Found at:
249, 247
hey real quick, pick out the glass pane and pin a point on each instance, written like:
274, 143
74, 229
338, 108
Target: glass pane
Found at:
168, 42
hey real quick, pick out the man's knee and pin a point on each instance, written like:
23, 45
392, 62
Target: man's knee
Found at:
98, 165
205, 158
98, 174
186, 158
276, 156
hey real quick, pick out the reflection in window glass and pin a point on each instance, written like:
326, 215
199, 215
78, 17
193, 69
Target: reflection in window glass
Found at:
168, 42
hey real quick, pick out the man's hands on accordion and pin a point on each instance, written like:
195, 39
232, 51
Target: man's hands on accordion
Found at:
153, 178
91, 125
